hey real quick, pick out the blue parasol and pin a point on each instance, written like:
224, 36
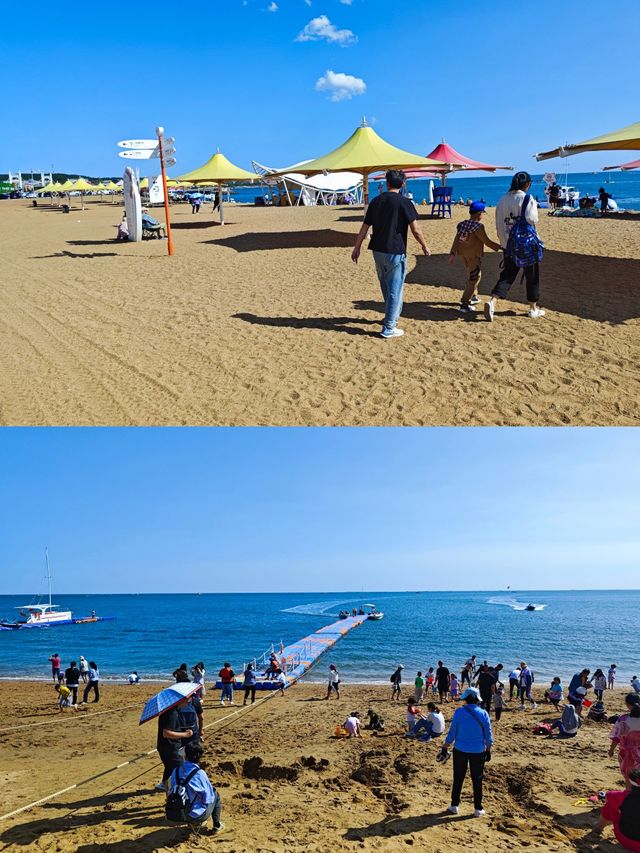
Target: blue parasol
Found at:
167, 699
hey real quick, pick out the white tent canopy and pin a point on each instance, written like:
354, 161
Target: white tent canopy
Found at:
327, 187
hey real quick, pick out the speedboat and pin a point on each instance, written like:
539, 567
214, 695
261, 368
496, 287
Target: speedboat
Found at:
373, 612
530, 607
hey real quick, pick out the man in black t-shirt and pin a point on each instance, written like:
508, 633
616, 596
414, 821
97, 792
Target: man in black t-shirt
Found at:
390, 215
72, 679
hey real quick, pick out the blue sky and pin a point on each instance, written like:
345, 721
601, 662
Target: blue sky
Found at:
498, 84
137, 510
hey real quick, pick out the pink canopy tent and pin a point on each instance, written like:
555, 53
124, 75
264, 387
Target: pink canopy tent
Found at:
453, 162
634, 164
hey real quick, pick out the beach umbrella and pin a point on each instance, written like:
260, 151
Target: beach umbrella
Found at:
363, 152
167, 699
625, 139
216, 172
625, 167
452, 161
82, 186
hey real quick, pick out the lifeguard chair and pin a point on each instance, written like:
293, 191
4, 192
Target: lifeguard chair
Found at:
441, 204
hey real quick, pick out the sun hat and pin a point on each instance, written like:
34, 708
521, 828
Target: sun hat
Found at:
477, 207
470, 691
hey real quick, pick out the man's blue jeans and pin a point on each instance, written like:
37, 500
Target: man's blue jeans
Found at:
227, 692
391, 271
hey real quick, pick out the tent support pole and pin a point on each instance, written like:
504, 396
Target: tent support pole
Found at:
220, 199
365, 189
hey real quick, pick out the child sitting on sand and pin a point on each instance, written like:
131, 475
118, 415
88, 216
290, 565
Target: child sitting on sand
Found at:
413, 714
352, 724
376, 722
554, 693
469, 243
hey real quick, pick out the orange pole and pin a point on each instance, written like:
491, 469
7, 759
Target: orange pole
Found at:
160, 132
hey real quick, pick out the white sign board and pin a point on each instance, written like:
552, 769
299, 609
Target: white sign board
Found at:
138, 143
169, 162
144, 154
156, 190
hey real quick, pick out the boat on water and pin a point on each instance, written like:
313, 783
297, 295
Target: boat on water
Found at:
530, 607
373, 612
47, 615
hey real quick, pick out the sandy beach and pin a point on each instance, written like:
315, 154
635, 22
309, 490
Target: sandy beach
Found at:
286, 782
267, 321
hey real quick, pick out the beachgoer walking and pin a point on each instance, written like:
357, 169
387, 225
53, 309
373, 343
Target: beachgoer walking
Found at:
55, 666
486, 685
468, 245
396, 681
578, 687
227, 677
604, 197
93, 684
216, 201
72, 680
84, 669
204, 800
470, 665
442, 681
390, 215
622, 809
625, 736
454, 687
250, 681
498, 701
514, 682
198, 673
281, 678
333, 684
526, 682
509, 210
170, 741
611, 676
470, 732
181, 674
419, 687
599, 684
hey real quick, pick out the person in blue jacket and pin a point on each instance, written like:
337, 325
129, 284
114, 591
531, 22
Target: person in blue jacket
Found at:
470, 732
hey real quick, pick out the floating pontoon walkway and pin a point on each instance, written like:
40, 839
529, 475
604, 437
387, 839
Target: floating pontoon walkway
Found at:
298, 658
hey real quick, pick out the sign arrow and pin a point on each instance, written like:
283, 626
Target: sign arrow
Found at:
138, 143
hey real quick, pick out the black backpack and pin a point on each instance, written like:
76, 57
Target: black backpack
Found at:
178, 804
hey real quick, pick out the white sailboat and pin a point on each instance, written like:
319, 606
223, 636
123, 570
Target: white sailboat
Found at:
41, 614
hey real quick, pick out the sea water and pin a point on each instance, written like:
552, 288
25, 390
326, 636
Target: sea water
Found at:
624, 187
154, 633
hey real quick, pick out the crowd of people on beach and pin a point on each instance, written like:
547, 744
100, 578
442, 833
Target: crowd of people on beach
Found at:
390, 215
67, 682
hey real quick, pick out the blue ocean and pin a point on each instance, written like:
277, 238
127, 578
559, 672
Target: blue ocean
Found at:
624, 187
154, 633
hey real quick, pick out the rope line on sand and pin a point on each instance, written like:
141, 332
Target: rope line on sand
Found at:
67, 718
124, 763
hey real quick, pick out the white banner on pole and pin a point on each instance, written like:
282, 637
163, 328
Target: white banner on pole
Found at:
156, 190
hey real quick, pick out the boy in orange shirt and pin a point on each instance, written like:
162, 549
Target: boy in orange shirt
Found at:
469, 243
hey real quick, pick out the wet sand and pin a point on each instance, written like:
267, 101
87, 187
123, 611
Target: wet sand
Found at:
267, 321
286, 783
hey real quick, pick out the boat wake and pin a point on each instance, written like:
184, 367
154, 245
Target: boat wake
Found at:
318, 608
514, 604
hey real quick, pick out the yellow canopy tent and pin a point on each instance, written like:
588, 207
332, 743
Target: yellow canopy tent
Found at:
114, 187
364, 152
82, 186
625, 139
216, 172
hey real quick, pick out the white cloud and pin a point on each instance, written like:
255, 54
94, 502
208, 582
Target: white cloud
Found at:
321, 28
341, 87
273, 7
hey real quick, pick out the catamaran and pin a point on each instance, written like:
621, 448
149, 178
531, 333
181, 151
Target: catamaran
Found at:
44, 615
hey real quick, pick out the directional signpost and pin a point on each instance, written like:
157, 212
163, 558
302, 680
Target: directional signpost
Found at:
147, 149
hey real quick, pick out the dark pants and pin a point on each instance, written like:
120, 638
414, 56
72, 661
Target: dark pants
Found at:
486, 700
510, 273
465, 677
74, 693
95, 686
475, 762
599, 694
213, 811
55, 672
249, 690
171, 762
498, 712
514, 686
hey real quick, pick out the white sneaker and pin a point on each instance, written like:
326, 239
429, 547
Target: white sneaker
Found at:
534, 313
478, 813
231, 703
474, 300
222, 701
520, 707
534, 707
394, 333
452, 809
489, 310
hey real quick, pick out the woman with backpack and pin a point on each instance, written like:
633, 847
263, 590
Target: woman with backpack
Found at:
516, 220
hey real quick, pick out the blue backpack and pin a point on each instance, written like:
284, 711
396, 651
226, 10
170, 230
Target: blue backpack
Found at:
524, 247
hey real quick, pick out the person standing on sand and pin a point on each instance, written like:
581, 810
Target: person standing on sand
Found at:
470, 732
333, 684
508, 211
486, 685
94, 683
442, 681
611, 676
526, 683
227, 677
181, 674
390, 215
419, 687
55, 667
396, 680
84, 669
72, 680
514, 682
468, 245
250, 681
